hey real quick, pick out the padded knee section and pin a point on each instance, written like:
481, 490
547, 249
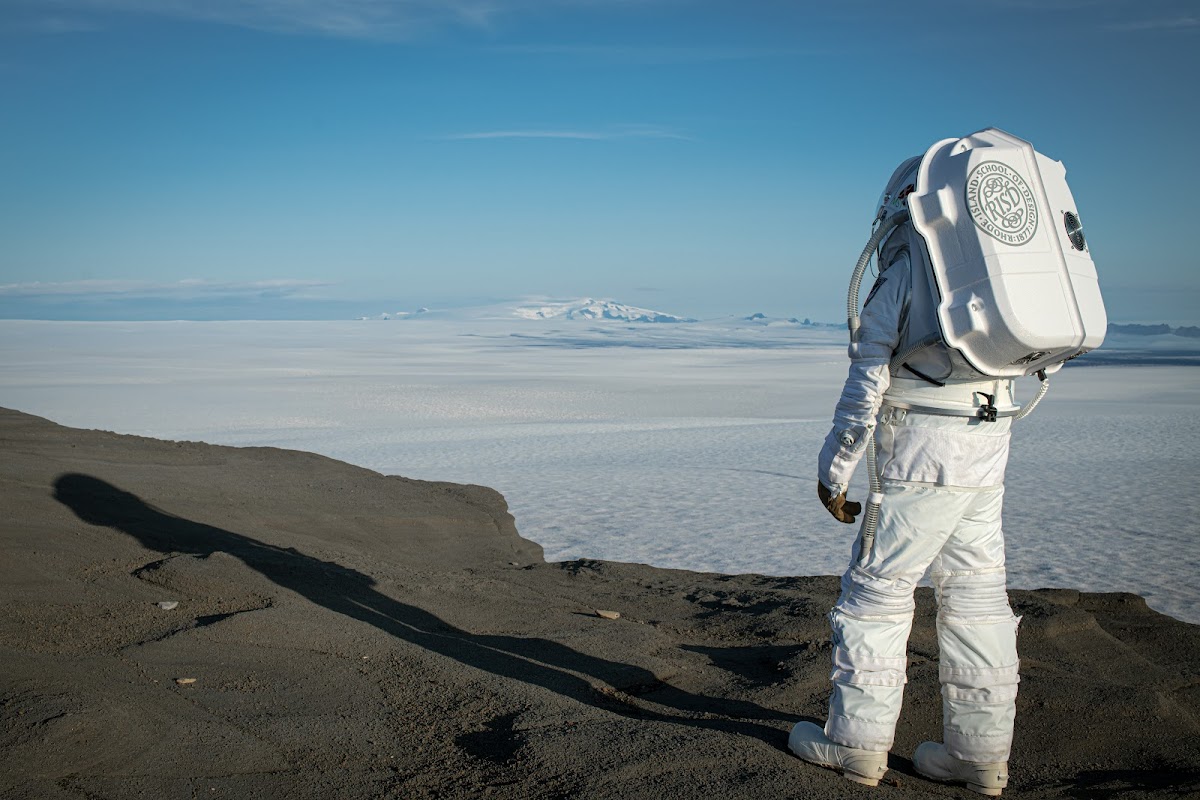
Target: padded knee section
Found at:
870, 626
866, 596
972, 594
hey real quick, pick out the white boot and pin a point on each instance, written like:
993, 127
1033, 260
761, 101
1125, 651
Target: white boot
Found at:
861, 766
932, 761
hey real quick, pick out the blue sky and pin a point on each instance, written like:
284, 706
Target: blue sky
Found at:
330, 158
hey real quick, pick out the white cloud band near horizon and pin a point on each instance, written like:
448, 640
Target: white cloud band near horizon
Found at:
132, 288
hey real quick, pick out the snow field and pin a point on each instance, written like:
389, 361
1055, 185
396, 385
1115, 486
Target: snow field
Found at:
686, 446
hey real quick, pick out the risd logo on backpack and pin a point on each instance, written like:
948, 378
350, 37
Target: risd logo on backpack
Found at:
1002, 203
1016, 287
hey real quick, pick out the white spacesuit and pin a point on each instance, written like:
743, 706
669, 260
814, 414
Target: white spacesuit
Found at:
984, 276
943, 485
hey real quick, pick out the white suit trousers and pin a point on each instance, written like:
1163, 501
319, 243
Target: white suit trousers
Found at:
956, 535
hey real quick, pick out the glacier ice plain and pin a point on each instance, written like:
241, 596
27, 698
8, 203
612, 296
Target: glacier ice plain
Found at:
689, 446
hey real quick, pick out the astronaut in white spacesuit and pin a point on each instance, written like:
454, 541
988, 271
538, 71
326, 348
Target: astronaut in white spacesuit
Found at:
942, 448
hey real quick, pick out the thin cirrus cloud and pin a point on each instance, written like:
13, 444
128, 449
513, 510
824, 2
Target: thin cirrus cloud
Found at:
364, 19
1172, 24
657, 54
53, 25
353, 19
627, 132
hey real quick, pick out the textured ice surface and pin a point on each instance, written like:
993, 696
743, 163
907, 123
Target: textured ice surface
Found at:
689, 446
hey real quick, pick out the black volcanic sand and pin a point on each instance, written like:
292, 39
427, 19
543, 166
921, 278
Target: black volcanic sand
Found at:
348, 634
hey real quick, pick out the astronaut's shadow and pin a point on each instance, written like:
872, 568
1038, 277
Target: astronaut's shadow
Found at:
538, 662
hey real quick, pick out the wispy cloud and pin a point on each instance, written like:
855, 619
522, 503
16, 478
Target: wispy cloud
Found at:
617, 132
1171, 24
527, 135
150, 289
53, 25
657, 54
1044, 5
364, 19
358, 19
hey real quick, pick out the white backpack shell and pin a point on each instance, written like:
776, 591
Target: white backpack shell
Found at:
1017, 289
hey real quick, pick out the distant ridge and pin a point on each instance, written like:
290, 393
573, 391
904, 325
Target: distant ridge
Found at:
1187, 331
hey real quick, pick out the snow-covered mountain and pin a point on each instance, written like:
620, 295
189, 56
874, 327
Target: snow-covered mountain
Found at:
399, 314
589, 309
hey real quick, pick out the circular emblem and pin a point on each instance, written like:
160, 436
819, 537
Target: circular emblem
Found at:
1001, 203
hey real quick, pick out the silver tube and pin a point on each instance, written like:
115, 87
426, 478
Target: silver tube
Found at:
871, 516
866, 534
861, 267
1045, 387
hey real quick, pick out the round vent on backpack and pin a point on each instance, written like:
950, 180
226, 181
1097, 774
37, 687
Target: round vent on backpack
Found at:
1074, 230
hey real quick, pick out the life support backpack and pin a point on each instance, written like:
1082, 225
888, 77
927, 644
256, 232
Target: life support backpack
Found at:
1002, 278
1001, 273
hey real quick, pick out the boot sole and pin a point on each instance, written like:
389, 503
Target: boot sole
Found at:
845, 773
862, 779
990, 791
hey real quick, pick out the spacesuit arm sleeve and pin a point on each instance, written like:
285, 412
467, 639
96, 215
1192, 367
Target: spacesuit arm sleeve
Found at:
882, 319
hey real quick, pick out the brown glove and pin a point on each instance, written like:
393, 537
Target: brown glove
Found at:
843, 510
